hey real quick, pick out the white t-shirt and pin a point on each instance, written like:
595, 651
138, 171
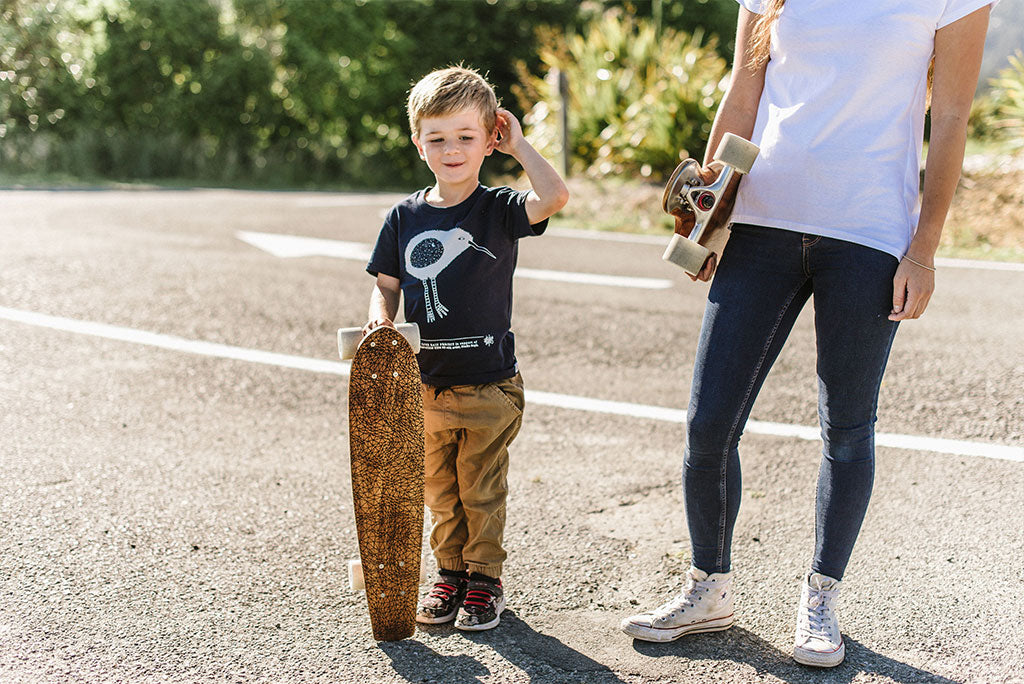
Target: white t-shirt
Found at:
841, 118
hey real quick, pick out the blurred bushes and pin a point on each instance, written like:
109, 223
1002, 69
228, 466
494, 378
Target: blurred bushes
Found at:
296, 92
999, 115
638, 101
283, 92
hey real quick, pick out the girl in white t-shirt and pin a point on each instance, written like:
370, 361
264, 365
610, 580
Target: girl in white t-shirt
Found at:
834, 93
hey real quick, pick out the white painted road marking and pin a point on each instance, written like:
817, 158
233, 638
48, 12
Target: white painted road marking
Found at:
290, 246
914, 443
979, 264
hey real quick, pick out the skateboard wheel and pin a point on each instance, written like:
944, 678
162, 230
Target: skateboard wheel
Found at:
355, 576
686, 254
349, 339
737, 152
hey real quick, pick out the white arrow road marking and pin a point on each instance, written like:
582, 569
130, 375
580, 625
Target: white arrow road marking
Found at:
566, 401
290, 246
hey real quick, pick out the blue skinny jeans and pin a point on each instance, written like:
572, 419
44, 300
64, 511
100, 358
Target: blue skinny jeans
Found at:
765, 277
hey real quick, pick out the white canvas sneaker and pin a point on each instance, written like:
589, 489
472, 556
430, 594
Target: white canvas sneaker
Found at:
818, 641
704, 606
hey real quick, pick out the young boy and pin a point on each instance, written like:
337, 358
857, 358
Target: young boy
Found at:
450, 250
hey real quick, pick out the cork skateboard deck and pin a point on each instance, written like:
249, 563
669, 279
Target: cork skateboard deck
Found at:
386, 446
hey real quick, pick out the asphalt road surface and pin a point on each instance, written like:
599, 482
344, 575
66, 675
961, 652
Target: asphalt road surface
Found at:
175, 503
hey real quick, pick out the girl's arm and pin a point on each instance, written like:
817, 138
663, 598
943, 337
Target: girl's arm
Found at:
738, 110
958, 51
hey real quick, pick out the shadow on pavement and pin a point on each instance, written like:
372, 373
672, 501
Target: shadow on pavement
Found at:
741, 646
541, 657
416, 663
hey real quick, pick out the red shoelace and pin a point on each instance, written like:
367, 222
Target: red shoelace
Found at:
443, 591
478, 598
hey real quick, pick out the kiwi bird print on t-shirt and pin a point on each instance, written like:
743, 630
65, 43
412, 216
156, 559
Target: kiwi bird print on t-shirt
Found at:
428, 254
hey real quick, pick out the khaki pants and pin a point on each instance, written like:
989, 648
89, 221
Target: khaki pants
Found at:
468, 429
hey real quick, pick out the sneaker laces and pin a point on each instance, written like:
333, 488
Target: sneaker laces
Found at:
478, 600
685, 599
815, 619
443, 591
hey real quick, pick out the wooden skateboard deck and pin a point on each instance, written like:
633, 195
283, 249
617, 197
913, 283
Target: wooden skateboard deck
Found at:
385, 404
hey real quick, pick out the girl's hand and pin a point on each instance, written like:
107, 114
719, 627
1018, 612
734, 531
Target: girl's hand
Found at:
912, 287
509, 132
685, 221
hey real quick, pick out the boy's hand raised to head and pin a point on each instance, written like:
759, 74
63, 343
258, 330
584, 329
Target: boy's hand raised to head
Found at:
549, 193
510, 133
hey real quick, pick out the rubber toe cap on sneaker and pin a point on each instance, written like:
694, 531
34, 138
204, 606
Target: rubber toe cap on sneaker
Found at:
820, 653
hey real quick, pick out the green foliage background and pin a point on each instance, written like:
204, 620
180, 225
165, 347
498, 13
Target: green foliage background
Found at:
293, 93
640, 98
273, 92
999, 114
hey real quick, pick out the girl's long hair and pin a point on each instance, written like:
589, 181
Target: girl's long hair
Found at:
761, 39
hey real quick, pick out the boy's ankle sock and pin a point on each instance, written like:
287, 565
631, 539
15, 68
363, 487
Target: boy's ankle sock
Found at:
461, 574
480, 577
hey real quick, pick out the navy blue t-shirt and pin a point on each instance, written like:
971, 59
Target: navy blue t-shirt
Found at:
455, 266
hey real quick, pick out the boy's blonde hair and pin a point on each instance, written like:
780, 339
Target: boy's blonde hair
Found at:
447, 91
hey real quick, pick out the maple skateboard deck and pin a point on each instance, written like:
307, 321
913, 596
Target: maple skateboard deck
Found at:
385, 404
686, 192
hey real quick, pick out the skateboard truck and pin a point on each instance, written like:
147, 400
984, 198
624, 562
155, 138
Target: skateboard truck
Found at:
685, 191
349, 339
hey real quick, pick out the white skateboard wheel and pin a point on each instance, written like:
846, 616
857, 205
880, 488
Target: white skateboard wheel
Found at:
737, 152
349, 339
686, 254
355, 576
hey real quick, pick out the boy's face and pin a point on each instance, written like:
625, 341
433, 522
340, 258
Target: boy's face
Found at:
454, 146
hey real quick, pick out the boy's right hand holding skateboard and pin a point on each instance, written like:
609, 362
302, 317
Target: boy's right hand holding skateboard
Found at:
383, 303
377, 323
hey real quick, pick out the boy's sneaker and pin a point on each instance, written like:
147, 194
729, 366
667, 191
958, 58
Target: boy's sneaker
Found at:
441, 603
818, 641
704, 606
481, 609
